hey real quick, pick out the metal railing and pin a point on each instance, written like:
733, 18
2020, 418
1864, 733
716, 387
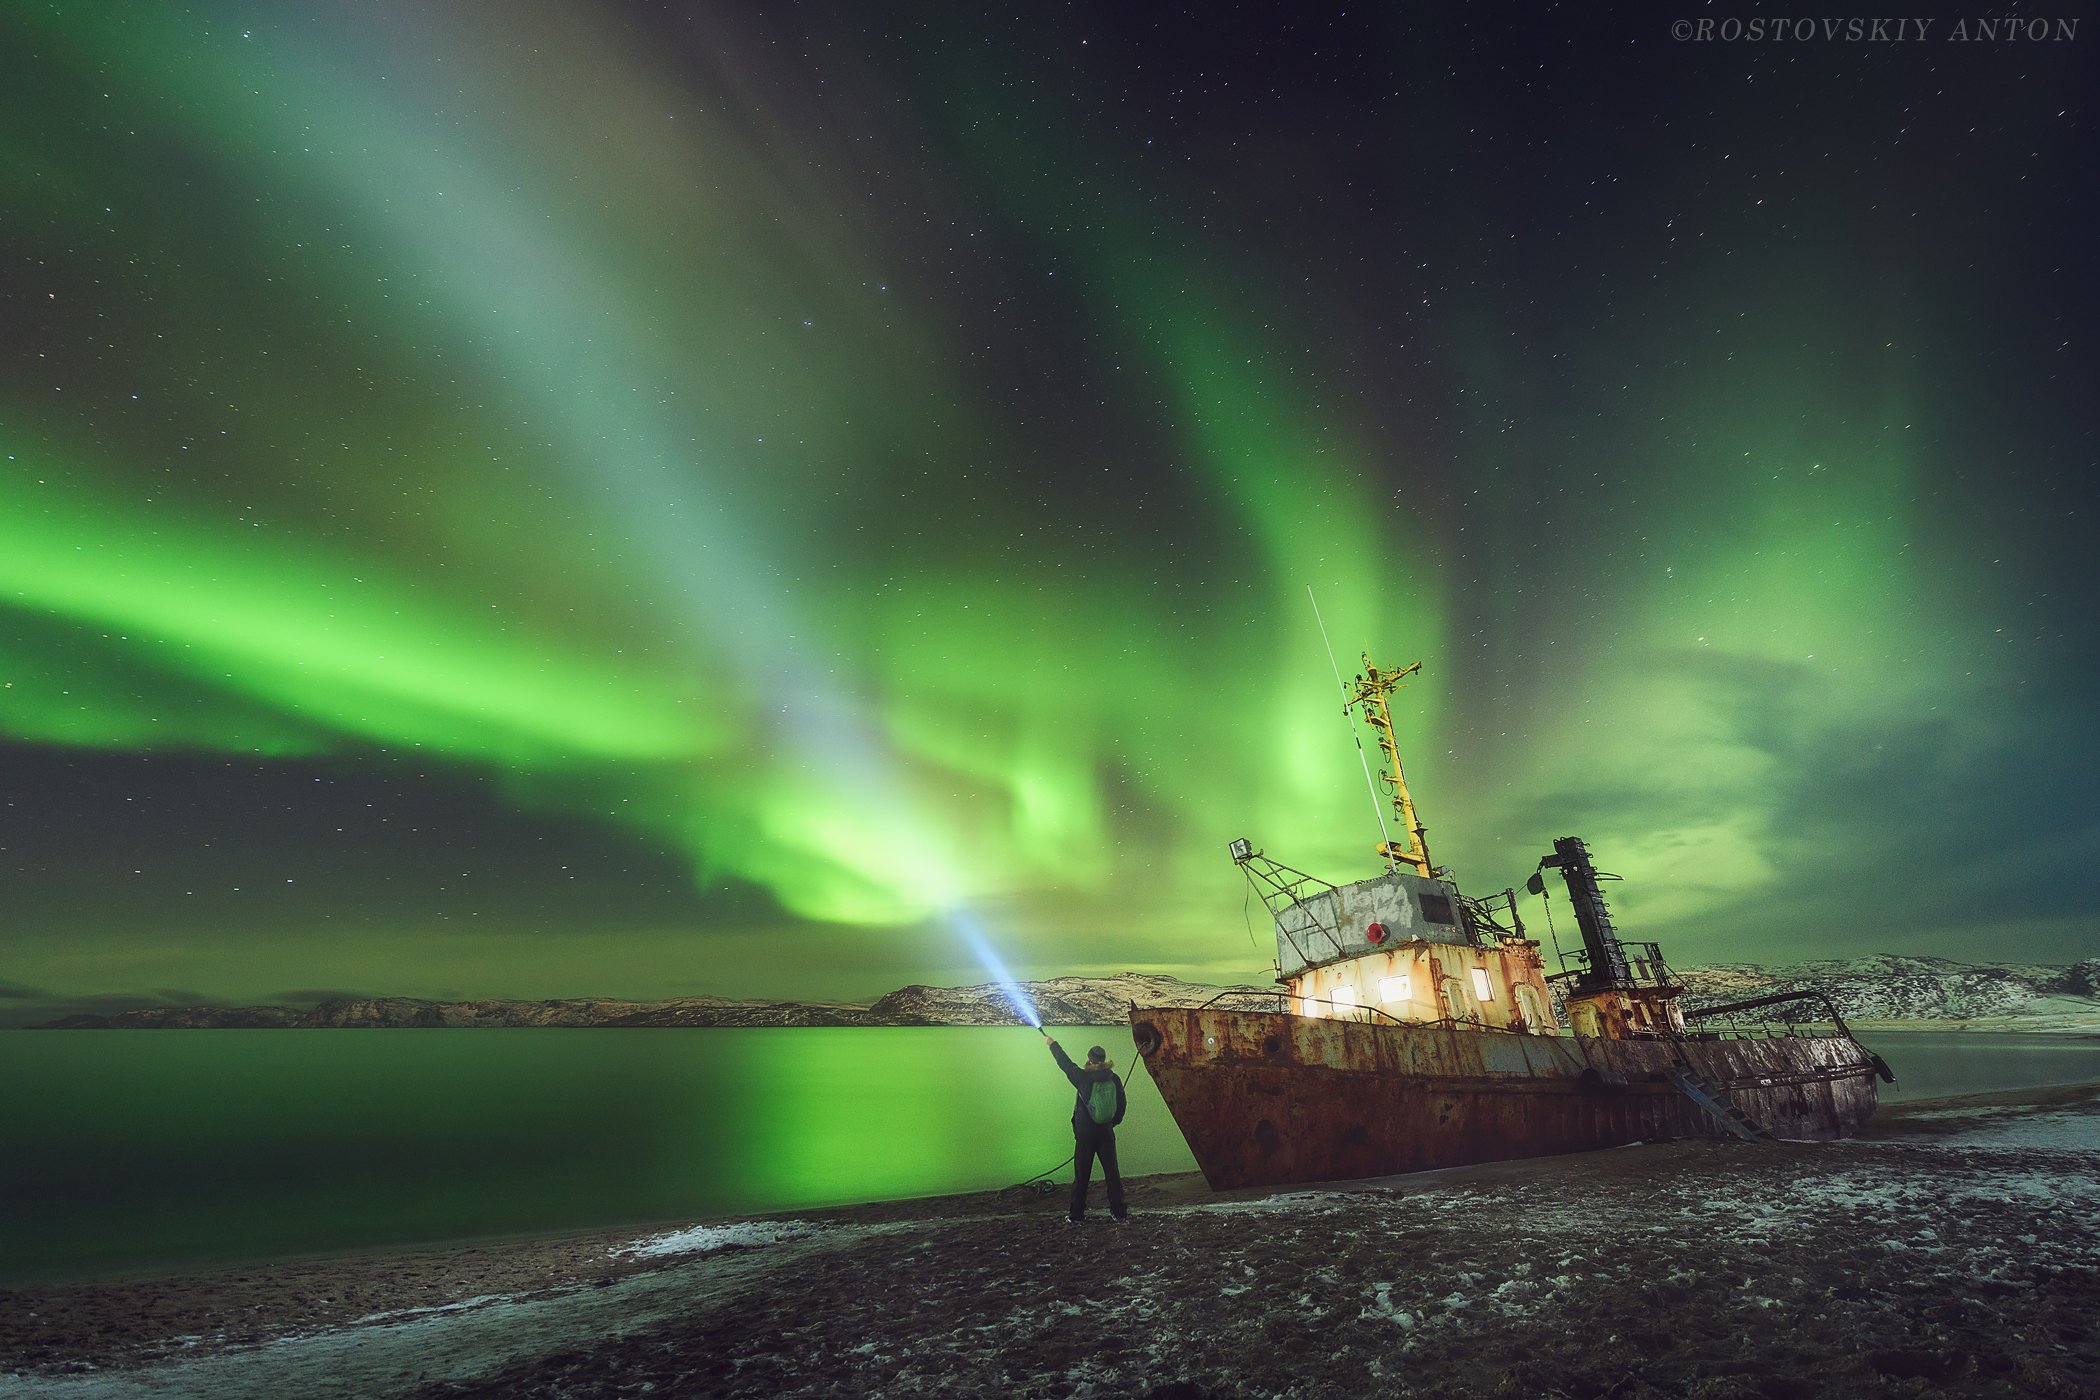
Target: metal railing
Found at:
1789, 1026
1774, 1002
1348, 1010
1644, 962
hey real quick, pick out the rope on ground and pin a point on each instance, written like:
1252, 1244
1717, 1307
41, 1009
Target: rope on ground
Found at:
1036, 1183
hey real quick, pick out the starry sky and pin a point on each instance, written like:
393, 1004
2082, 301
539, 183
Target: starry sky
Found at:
549, 498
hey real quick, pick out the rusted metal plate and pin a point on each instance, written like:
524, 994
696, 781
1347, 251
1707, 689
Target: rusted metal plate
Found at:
1266, 1099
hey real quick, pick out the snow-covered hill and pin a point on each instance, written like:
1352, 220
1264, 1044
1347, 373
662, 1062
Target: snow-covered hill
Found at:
1061, 1001
1888, 987
1883, 988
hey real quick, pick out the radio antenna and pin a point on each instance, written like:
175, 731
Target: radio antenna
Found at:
1385, 846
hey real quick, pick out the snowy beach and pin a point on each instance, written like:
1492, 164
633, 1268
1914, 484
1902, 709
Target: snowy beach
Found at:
1954, 1248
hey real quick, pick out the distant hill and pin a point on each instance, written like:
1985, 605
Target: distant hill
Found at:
1064, 1001
1881, 990
1889, 988
1061, 1001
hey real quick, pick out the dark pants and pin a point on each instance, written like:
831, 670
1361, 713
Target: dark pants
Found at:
1085, 1149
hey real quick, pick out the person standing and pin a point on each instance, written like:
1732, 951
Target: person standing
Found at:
1094, 1117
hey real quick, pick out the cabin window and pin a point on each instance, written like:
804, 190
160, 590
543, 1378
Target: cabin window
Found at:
1437, 908
1482, 988
1392, 989
1344, 1000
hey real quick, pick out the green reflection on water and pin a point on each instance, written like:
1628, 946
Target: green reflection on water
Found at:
123, 1149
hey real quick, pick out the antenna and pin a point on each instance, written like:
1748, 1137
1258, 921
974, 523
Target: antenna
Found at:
1385, 844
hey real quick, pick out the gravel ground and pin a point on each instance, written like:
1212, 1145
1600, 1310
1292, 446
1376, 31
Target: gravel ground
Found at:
1955, 1249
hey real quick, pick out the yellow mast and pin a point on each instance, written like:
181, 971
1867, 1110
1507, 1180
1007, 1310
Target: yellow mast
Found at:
1370, 691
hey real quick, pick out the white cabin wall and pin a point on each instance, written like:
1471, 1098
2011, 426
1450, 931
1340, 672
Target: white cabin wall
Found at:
1440, 984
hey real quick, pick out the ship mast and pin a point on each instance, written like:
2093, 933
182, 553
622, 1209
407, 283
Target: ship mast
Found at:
1370, 691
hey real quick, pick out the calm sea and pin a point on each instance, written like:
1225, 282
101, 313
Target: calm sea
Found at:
128, 1149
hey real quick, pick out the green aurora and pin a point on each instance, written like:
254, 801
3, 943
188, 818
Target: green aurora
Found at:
552, 499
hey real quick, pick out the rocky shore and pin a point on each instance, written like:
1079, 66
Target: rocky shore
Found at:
1954, 1249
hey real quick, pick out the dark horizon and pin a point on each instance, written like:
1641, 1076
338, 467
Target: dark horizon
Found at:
2082, 978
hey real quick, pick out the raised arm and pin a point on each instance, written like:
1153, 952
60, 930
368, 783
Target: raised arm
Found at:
1064, 1062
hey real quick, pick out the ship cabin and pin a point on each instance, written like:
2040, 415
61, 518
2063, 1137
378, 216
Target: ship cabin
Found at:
1405, 947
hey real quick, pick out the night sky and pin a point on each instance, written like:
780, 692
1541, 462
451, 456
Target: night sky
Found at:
544, 499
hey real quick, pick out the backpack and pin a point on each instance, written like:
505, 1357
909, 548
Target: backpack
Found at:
1101, 1101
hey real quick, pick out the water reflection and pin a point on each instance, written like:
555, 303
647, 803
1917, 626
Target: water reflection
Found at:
147, 1147
127, 1148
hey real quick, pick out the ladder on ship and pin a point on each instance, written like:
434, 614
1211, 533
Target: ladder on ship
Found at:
1710, 1096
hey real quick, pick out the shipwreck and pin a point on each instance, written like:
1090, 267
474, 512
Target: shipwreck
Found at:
1416, 1027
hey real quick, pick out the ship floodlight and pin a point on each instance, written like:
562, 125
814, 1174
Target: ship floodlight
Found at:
1242, 851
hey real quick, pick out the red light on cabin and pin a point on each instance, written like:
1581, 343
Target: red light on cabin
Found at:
1375, 934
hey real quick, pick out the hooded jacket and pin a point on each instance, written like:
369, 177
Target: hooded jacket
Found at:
1084, 1081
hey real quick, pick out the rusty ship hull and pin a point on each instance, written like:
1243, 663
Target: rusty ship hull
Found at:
1267, 1099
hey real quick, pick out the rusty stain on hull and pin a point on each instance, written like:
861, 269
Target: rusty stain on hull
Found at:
1265, 1099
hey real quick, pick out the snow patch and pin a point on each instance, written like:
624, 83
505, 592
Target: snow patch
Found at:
481, 1300
2072, 1132
1288, 1203
706, 1239
1382, 1307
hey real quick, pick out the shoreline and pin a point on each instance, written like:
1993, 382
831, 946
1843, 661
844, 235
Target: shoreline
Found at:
2000, 1187
2074, 1025
2027, 1023
1884, 990
2066, 1027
